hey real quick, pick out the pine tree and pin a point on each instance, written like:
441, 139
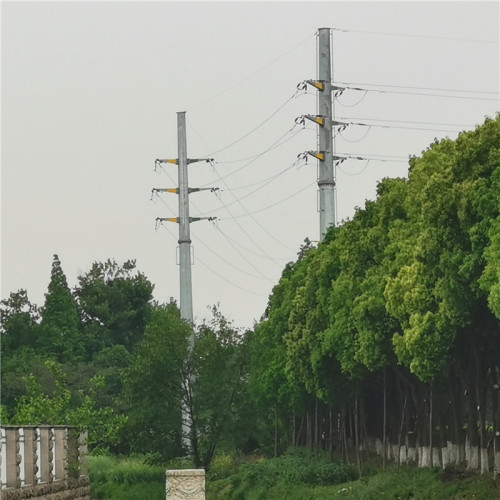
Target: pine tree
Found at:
60, 326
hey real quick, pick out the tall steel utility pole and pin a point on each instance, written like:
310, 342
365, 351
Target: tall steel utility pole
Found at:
326, 179
324, 120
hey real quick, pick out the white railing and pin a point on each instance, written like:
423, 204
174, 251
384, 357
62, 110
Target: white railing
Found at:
32, 455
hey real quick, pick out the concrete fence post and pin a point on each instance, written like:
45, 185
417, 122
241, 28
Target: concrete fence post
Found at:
60, 453
30, 456
47, 454
185, 484
82, 453
13, 458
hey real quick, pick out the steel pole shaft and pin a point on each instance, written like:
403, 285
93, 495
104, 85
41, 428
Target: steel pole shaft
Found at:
326, 178
186, 292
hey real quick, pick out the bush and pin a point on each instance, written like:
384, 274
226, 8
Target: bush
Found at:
125, 479
294, 469
222, 466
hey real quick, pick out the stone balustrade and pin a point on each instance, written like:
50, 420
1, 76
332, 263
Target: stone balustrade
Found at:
40, 461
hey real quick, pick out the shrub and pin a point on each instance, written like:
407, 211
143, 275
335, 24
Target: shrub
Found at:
222, 466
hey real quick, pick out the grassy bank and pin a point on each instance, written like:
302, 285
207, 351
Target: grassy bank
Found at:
292, 477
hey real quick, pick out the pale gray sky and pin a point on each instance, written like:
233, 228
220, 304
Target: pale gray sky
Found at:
90, 93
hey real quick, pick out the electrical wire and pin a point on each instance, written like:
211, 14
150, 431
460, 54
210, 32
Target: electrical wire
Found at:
278, 261
408, 121
357, 140
253, 218
227, 89
351, 105
398, 127
447, 96
357, 173
262, 184
273, 146
262, 276
251, 292
255, 128
272, 205
417, 36
420, 88
215, 272
228, 263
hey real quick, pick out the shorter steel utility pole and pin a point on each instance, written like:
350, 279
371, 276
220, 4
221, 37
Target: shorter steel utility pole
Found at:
186, 290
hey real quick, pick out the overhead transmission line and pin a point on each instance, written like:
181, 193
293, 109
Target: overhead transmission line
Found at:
295, 94
421, 88
271, 63
261, 276
221, 178
237, 243
272, 204
409, 35
212, 270
254, 158
406, 121
447, 96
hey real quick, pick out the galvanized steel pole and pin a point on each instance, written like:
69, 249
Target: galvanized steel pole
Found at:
186, 290
326, 177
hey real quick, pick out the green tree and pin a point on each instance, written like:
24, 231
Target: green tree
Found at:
218, 397
60, 333
18, 322
115, 301
153, 384
59, 406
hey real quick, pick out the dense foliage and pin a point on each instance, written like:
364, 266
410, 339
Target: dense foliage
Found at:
392, 323
388, 330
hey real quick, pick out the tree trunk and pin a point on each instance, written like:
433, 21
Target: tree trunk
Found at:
275, 430
431, 426
356, 433
401, 429
481, 411
384, 429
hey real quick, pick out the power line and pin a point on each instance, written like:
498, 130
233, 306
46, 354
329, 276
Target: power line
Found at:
448, 96
272, 205
369, 125
251, 292
261, 184
255, 128
215, 272
274, 146
227, 262
227, 89
417, 36
420, 88
248, 213
408, 121
277, 261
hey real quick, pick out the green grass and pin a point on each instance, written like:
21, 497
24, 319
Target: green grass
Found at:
291, 477
405, 483
125, 479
